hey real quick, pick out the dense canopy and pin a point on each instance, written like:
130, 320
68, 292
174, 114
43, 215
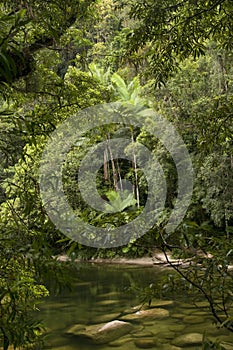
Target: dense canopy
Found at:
58, 58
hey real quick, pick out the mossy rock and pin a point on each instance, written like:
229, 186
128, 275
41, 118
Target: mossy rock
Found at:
145, 343
190, 339
145, 315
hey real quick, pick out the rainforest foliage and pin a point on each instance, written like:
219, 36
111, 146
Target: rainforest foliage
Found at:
58, 58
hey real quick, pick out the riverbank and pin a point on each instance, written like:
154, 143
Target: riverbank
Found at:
158, 258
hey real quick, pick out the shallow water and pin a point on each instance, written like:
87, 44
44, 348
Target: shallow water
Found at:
101, 294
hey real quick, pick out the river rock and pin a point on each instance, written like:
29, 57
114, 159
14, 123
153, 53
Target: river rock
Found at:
144, 315
102, 333
137, 329
208, 328
190, 339
109, 295
193, 319
145, 343
143, 334
171, 347
64, 347
166, 335
159, 303
107, 302
75, 329
120, 342
227, 346
202, 304
154, 303
105, 318
176, 327
177, 315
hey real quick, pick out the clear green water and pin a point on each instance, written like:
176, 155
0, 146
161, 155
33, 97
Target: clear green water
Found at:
101, 295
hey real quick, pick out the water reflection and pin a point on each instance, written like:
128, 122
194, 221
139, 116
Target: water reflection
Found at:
102, 294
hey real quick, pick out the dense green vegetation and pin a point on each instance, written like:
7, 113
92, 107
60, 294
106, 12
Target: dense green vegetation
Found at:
57, 58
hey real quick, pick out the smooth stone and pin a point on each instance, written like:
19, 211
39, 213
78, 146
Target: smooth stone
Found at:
154, 304
201, 328
75, 329
107, 302
188, 312
159, 303
226, 338
186, 306
193, 319
56, 341
202, 304
227, 346
105, 318
188, 340
171, 347
137, 329
83, 284
144, 315
65, 347
177, 315
166, 335
158, 328
120, 342
143, 335
110, 294
200, 313
148, 323
176, 327
102, 333
145, 343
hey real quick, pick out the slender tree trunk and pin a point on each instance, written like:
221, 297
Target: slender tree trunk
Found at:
134, 163
119, 175
106, 174
113, 165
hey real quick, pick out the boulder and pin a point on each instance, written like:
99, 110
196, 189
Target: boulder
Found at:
101, 333
154, 304
190, 339
145, 315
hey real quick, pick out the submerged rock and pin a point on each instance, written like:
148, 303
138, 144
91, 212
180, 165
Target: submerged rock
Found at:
154, 304
227, 346
159, 303
105, 318
75, 329
145, 343
193, 319
120, 342
107, 302
171, 347
144, 315
190, 339
166, 335
146, 334
101, 333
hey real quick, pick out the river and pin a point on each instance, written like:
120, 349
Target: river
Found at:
103, 293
